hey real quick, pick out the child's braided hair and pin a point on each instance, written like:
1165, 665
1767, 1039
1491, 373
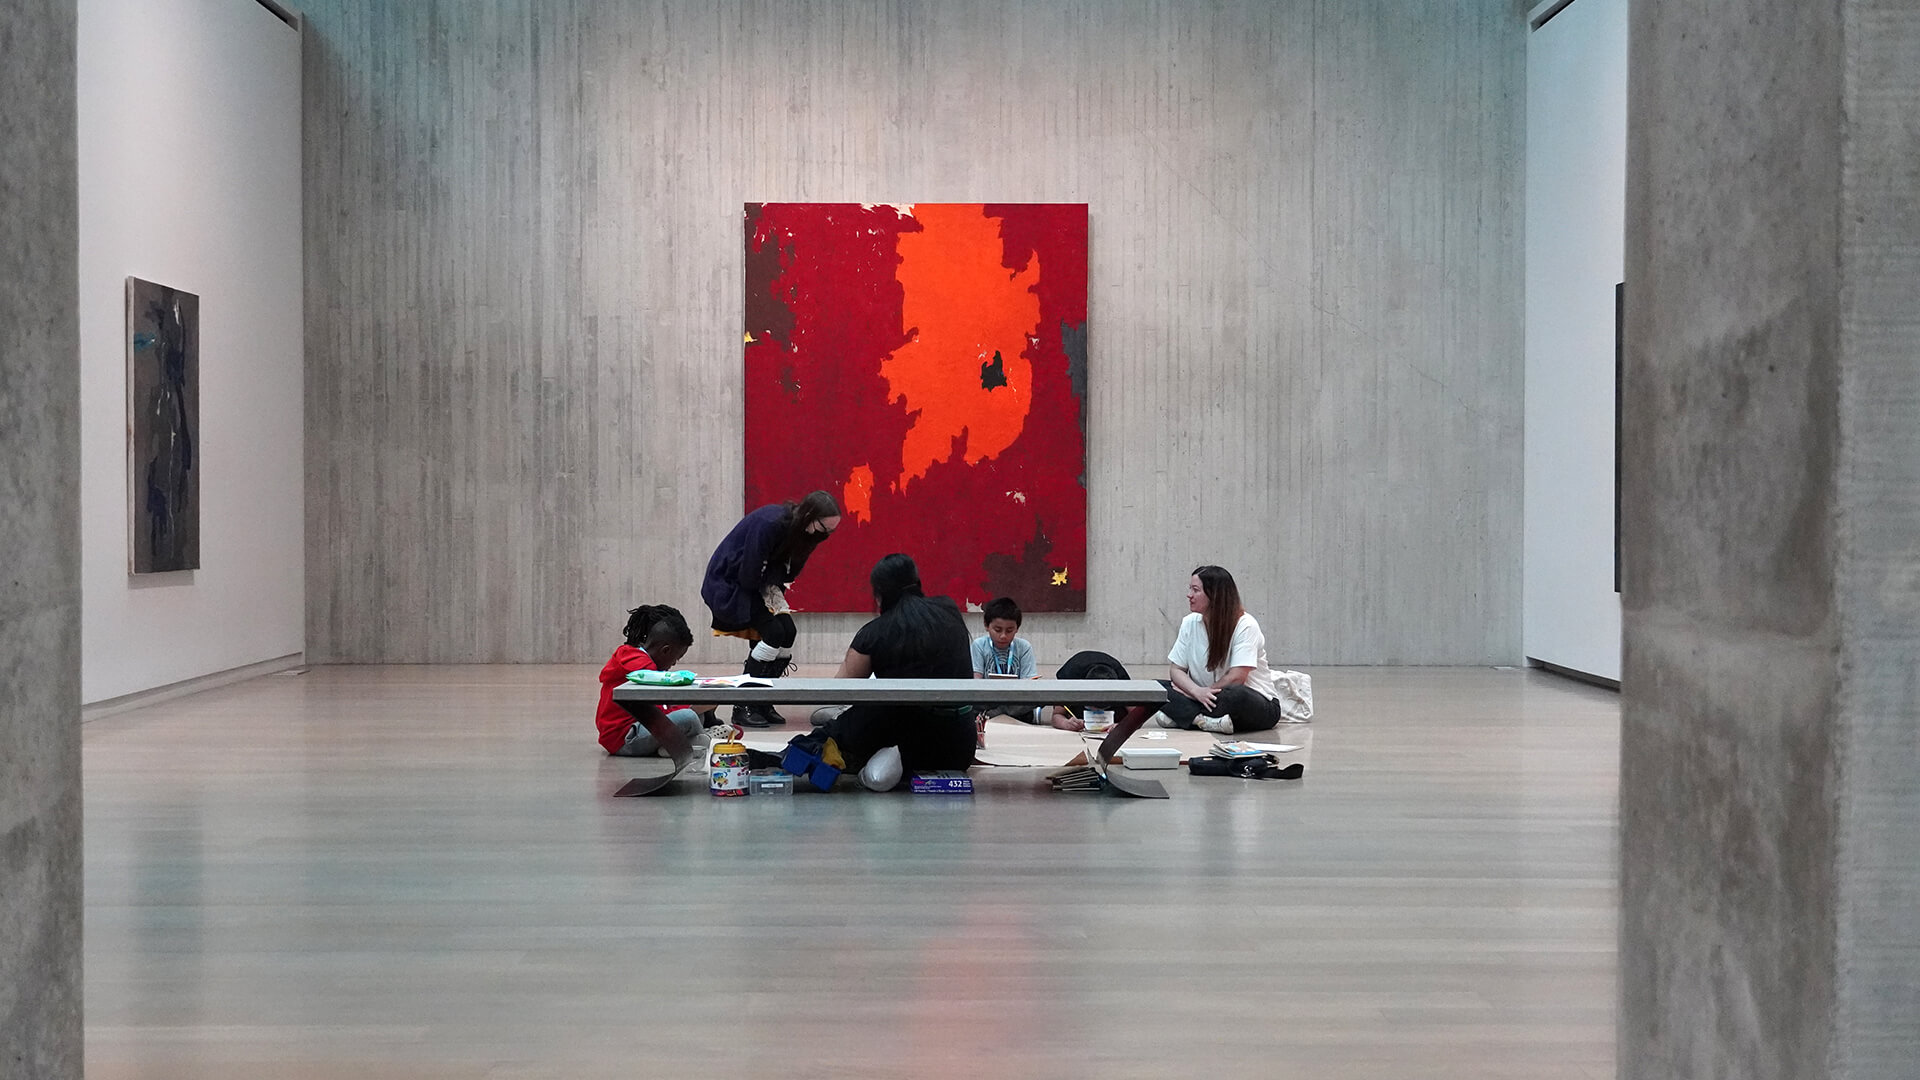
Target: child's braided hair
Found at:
651, 620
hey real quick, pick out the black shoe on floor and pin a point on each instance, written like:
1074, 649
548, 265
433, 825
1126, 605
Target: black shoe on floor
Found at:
757, 716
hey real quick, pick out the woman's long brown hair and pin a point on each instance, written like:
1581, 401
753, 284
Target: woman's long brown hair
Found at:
798, 543
1223, 612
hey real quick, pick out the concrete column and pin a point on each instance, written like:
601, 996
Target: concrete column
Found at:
1770, 776
39, 547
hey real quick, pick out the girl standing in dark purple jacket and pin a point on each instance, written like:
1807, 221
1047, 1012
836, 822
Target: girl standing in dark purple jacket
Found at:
746, 583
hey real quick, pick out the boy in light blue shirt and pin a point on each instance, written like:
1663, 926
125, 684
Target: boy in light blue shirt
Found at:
1002, 653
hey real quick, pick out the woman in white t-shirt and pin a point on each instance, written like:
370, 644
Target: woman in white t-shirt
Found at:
1221, 682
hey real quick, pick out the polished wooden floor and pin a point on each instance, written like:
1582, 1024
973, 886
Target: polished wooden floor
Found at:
419, 872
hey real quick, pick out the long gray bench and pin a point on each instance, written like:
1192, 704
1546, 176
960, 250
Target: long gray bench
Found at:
1140, 696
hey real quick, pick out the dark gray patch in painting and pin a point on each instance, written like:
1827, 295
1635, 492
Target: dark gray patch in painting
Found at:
163, 380
1073, 341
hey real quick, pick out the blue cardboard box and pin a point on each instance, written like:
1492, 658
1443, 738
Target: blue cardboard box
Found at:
945, 782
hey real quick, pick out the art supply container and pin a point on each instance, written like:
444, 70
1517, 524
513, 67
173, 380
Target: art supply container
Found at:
1148, 757
727, 769
1098, 720
946, 782
772, 782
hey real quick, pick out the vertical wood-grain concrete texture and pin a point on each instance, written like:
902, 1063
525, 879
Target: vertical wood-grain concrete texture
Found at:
40, 875
1770, 785
524, 300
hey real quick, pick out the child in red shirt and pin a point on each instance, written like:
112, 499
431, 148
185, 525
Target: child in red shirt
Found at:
657, 637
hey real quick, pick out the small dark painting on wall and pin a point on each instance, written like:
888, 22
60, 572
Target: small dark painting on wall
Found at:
163, 426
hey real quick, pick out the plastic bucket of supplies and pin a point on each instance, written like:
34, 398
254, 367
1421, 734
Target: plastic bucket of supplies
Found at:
727, 770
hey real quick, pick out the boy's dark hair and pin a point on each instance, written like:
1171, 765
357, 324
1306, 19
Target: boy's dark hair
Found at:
657, 622
1000, 607
1101, 670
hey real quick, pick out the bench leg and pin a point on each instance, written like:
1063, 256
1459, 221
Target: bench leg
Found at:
1135, 719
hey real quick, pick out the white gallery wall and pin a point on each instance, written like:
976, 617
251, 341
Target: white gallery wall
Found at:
189, 165
1576, 210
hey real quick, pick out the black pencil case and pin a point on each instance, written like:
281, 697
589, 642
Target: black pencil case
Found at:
1263, 767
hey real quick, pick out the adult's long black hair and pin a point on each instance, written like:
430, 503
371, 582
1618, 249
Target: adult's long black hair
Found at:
797, 544
920, 626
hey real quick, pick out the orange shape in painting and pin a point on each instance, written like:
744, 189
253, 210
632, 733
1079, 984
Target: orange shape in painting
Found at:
856, 498
963, 306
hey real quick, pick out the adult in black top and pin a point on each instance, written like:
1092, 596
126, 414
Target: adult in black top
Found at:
914, 637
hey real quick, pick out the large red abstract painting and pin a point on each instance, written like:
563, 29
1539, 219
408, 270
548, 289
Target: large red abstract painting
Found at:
926, 364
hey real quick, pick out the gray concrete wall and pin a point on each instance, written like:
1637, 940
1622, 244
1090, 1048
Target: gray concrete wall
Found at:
1770, 921
39, 532
1877, 581
524, 291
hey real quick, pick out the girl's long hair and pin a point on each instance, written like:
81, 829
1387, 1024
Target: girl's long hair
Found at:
797, 544
1223, 612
